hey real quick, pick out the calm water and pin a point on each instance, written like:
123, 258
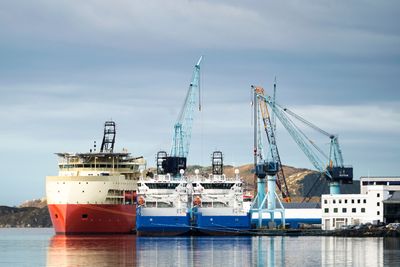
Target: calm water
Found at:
40, 247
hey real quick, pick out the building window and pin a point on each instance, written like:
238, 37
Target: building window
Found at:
340, 201
364, 201
352, 201
363, 210
354, 210
377, 213
326, 210
378, 195
335, 210
326, 201
345, 201
334, 201
378, 204
344, 210
358, 201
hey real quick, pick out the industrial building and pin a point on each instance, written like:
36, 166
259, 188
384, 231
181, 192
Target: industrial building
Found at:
367, 207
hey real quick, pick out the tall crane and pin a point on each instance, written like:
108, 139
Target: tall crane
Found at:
269, 127
268, 166
334, 169
182, 129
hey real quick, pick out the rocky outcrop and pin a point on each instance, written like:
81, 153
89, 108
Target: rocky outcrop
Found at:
24, 217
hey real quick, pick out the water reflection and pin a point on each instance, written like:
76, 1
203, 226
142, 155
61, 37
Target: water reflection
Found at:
92, 250
222, 251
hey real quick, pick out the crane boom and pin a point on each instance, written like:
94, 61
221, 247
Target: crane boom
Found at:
183, 126
176, 161
334, 171
270, 129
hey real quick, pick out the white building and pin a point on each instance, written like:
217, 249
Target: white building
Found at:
367, 207
390, 183
348, 209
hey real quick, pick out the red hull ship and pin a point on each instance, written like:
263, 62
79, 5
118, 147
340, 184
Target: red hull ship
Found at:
95, 192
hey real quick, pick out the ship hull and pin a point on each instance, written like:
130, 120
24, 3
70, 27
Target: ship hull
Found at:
162, 225
93, 218
222, 224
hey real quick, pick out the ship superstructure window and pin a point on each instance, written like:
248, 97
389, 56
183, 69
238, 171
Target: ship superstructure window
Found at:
326, 201
365, 201
352, 201
358, 201
326, 210
363, 210
162, 185
354, 210
335, 210
344, 210
217, 186
378, 204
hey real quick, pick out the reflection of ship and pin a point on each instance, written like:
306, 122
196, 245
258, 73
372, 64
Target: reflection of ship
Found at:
94, 192
110, 250
218, 202
163, 204
196, 251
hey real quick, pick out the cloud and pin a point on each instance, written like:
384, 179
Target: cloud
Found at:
312, 27
362, 119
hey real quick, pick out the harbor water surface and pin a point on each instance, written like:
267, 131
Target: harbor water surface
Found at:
40, 247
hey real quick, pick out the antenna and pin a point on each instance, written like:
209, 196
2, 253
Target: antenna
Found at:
273, 120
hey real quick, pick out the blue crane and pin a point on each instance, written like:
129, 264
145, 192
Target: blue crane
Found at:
269, 127
182, 129
334, 169
267, 167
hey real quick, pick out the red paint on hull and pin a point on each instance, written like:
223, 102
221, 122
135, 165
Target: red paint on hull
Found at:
93, 219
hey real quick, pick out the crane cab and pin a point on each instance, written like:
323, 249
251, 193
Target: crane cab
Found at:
341, 174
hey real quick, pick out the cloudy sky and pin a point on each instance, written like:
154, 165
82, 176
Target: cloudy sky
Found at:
67, 66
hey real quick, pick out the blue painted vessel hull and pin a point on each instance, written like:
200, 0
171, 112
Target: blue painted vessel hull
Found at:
162, 225
223, 224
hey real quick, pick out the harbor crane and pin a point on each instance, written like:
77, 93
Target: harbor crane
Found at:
267, 167
176, 160
330, 165
269, 127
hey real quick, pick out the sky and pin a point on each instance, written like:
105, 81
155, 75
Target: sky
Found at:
68, 66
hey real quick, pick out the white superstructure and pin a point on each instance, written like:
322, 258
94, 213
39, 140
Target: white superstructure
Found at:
218, 195
163, 196
93, 178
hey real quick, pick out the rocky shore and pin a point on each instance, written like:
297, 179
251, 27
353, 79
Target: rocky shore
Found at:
24, 217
